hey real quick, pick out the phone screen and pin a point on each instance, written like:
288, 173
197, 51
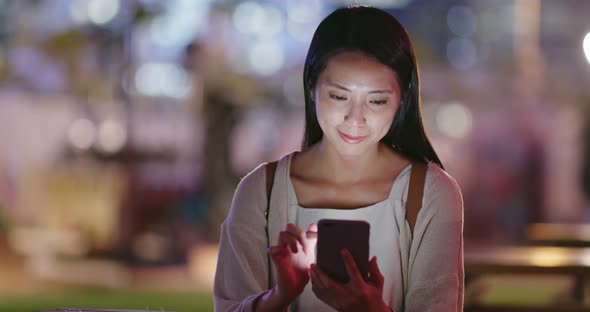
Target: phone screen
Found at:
335, 235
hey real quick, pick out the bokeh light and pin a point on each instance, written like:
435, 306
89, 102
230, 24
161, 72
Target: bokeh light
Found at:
82, 134
249, 17
78, 10
462, 53
111, 136
462, 21
163, 79
274, 22
454, 120
266, 57
179, 25
586, 46
102, 11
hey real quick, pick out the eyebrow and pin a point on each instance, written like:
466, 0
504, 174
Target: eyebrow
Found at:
333, 84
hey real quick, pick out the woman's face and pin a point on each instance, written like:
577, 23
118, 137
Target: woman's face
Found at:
356, 99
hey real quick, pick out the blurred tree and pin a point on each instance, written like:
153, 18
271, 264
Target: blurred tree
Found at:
220, 98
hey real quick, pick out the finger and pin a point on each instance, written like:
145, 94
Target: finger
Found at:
277, 253
351, 268
312, 232
375, 275
311, 239
283, 239
313, 228
320, 291
325, 279
316, 278
317, 288
297, 232
288, 240
326, 289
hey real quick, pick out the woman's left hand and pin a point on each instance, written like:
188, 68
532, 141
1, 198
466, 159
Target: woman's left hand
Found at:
357, 294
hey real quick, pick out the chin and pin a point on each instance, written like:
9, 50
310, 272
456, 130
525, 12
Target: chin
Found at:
348, 150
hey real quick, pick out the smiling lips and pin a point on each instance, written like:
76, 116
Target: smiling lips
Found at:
351, 139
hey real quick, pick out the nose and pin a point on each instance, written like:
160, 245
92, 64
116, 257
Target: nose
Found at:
356, 114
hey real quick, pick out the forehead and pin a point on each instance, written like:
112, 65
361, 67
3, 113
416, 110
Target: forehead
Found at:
358, 68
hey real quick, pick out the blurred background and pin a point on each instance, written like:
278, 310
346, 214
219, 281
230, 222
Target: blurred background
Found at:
125, 126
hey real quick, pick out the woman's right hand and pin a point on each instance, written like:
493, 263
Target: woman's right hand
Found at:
292, 258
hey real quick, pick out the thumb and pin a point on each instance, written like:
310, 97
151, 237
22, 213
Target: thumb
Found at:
312, 231
312, 228
311, 238
375, 276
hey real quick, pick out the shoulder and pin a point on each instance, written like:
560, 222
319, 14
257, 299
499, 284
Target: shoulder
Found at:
439, 179
441, 192
248, 198
255, 180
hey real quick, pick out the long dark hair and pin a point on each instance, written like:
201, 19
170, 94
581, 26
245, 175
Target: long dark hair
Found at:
379, 35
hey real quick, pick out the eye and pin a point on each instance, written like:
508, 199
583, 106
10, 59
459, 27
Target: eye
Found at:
337, 98
379, 102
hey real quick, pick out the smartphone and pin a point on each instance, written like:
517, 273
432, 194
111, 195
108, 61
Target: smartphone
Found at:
335, 235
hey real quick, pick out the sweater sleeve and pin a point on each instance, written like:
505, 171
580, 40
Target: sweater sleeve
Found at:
436, 279
242, 269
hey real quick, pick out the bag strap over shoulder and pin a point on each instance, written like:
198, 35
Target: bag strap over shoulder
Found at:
415, 192
271, 167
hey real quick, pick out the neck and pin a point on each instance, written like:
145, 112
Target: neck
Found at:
347, 169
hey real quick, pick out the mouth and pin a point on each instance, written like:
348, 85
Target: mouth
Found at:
351, 139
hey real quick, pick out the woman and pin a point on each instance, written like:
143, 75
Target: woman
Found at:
363, 135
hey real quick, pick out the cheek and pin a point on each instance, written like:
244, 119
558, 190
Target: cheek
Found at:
328, 113
384, 120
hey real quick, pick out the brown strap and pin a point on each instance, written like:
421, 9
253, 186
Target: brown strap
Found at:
271, 167
415, 192
270, 177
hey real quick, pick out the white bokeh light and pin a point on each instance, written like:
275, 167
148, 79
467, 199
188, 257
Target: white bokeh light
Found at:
586, 46
163, 79
179, 25
273, 22
111, 136
82, 134
302, 18
102, 11
78, 10
249, 17
454, 120
266, 58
